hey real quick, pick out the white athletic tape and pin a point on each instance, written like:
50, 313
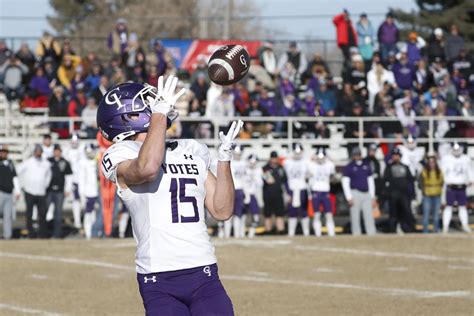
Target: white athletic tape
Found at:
387, 291
26, 310
224, 64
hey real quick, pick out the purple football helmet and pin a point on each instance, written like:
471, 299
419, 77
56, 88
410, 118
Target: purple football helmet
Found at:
124, 111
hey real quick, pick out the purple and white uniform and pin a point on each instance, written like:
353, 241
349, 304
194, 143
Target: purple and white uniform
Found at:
296, 171
319, 181
170, 231
239, 168
253, 184
457, 175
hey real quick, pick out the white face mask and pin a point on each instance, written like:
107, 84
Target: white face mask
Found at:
358, 162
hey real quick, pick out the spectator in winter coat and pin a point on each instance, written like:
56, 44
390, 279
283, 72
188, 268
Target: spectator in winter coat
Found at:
436, 46
413, 48
67, 70
39, 84
404, 72
346, 35
26, 56
12, 72
376, 78
326, 98
48, 47
366, 36
89, 114
454, 44
118, 39
77, 103
388, 36
295, 57
5, 52
463, 63
268, 59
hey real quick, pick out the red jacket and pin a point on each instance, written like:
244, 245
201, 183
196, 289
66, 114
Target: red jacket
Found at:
341, 29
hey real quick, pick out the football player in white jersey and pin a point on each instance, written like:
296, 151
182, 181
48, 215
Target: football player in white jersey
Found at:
75, 153
239, 168
412, 155
458, 174
166, 187
253, 184
320, 172
296, 169
88, 180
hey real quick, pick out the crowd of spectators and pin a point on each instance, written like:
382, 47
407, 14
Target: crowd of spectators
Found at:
383, 74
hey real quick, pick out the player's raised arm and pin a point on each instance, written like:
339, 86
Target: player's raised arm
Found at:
147, 166
220, 190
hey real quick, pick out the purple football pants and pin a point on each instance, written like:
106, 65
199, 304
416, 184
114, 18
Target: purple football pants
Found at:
238, 203
456, 197
302, 210
321, 198
197, 291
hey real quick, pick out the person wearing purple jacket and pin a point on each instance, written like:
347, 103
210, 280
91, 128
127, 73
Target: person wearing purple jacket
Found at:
286, 87
359, 189
388, 36
269, 103
39, 82
404, 72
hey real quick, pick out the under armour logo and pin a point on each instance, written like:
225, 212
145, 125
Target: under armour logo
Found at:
207, 270
188, 156
153, 278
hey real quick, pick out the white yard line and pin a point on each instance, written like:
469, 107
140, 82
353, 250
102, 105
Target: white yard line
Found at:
66, 260
252, 242
375, 253
387, 291
26, 310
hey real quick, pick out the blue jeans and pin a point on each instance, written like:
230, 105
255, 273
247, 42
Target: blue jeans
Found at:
386, 49
431, 204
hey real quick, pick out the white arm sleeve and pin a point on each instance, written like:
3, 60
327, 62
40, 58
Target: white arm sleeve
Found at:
371, 182
346, 187
16, 185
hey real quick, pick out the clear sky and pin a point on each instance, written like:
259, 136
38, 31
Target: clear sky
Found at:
294, 28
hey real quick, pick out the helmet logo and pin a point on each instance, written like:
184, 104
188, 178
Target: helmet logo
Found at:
113, 98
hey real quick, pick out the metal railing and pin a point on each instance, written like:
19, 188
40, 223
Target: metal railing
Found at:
19, 129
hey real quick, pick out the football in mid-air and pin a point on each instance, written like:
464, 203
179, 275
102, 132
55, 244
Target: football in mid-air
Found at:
228, 64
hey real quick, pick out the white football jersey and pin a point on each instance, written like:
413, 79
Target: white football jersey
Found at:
88, 178
73, 156
457, 170
320, 175
238, 168
167, 213
412, 158
296, 171
253, 180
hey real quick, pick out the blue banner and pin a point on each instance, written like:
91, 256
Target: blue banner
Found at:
177, 48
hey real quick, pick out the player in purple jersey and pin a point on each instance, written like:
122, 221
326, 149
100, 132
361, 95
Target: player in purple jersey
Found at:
166, 187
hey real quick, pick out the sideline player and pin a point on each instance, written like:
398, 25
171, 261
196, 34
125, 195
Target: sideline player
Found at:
296, 170
320, 173
165, 186
74, 154
239, 167
253, 185
458, 174
88, 187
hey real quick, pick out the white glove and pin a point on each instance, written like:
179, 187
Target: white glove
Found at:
226, 148
165, 97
